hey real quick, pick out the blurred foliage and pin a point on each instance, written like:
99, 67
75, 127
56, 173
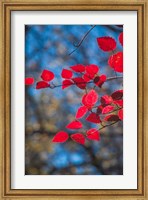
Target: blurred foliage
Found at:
50, 110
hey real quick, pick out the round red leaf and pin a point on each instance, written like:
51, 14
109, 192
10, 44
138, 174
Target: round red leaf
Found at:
81, 112
118, 94
116, 62
94, 118
92, 69
85, 102
111, 117
93, 134
107, 109
47, 75
60, 137
66, 83
120, 114
99, 80
106, 43
80, 82
78, 137
99, 109
87, 77
66, 74
42, 84
106, 100
78, 68
119, 102
29, 80
121, 38
74, 125
91, 97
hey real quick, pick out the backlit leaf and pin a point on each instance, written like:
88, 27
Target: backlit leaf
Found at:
91, 97
94, 118
111, 117
106, 100
121, 38
42, 84
119, 102
29, 80
78, 137
78, 68
92, 69
120, 114
81, 112
74, 125
116, 62
60, 137
107, 109
99, 80
106, 43
66, 74
93, 134
80, 82
66, 83
47, 75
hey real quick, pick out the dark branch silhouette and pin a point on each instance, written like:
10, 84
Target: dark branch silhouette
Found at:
81, 41
108, 79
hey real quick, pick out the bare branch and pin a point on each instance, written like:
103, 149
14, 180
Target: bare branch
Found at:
81, 41
108, 79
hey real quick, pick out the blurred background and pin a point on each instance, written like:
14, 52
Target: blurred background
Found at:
48, 111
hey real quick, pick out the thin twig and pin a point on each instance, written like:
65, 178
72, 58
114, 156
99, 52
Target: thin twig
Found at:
108, 79
81, 41
108, 125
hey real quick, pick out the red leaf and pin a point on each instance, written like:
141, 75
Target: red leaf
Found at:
81, 112
93, 134
66, 83
80, 82
121, 38
47, 75
87, 77
119, 102
106, 43
92, 69
120, 114
111, 117
99, 80
106, 100
78, 68
60, 137
91, 97
78, 137
85, 102
29, 81
99, 109
42, 84
116, 62
118, 94
74, 125
94, 118
66, 74
107, 109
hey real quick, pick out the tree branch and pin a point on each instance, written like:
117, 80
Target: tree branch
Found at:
81, 41
108, 79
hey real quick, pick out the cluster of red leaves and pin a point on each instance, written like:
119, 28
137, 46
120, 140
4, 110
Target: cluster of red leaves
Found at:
107, 109
84, 74
110, 108
46, 77
92, 134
